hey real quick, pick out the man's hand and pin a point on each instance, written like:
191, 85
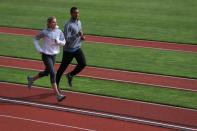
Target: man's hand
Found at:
80, 33
83, 37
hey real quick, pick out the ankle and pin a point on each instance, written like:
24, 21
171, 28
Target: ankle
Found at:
69, 74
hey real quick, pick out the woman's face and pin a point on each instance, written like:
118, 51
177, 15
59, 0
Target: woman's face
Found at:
52, 24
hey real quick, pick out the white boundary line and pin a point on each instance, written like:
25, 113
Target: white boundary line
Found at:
104, 69
7, 27
101, 78
44, 122
140, 83
121, 44
99, 114
143, 73
162, 49
27, 29
14, 34
136, 40
107, 97
20, 68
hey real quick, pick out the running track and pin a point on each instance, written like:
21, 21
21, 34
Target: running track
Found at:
109, 74
139, 110
26, 118
115, 41
190, 122
130, 77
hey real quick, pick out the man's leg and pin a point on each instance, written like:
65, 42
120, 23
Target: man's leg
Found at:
80, 57
66, 59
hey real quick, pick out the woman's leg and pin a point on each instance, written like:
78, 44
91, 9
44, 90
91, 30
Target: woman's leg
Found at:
49, 64
51, 70
31, 79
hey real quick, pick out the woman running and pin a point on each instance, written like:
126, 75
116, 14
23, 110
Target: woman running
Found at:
52, 37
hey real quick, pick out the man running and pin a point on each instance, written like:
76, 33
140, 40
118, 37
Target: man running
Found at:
72, 49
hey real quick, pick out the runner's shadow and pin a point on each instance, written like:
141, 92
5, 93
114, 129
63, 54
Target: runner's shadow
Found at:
39, 96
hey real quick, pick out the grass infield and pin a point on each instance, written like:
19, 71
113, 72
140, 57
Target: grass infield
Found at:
151, 94
160, 20
109, 56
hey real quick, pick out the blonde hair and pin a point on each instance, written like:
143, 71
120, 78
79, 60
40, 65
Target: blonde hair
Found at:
49, 19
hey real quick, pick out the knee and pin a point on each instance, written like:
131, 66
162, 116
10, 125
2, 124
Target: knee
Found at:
83, 65
53, 77
44, 73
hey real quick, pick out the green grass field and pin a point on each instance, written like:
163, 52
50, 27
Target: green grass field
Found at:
118, 57
114, 89
160, 20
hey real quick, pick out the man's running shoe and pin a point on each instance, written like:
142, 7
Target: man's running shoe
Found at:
30, 81
69, 79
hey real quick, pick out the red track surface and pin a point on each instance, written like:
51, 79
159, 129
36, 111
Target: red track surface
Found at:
25, 118
142, 110
116, 75
116, 41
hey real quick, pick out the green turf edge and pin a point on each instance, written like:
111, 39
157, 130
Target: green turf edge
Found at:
110, 36
117, 69
140, 13
161, 63
171, 97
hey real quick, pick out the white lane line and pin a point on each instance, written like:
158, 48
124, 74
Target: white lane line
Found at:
161, 42
45, 122
140, 83
100, 114
108, 79
159, 48
108, 97
108, 69
102, 78
146, 47
15, 34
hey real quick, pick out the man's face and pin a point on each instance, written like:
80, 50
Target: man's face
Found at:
75, 14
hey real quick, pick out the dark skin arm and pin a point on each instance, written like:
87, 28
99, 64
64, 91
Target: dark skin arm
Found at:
81, 35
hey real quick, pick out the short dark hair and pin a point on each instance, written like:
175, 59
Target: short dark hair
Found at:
73, 9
